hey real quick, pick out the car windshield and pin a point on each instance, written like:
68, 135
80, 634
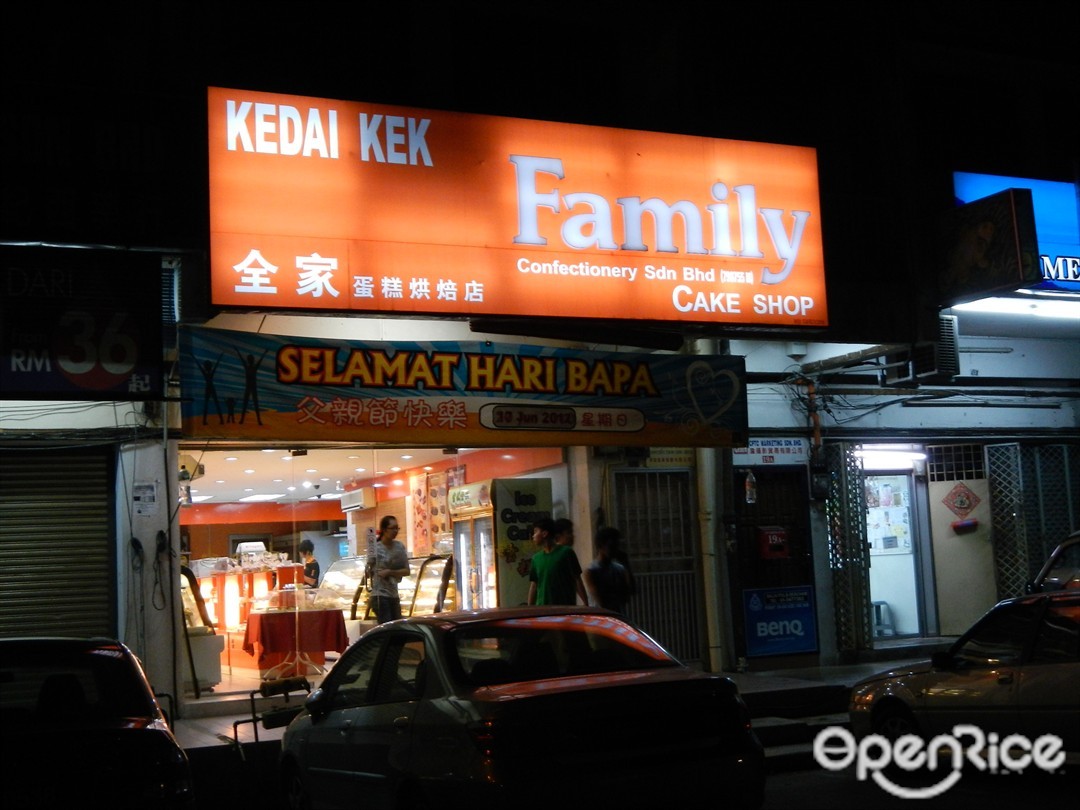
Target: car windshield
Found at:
528, 649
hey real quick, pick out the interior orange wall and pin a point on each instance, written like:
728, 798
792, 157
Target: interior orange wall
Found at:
208, 526
212, 539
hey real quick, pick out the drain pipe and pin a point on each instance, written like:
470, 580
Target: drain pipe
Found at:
713, 564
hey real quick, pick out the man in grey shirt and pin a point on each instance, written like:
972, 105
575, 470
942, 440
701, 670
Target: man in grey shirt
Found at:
391, 565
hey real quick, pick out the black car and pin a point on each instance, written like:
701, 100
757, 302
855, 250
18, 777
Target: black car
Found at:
519, 708
81, 728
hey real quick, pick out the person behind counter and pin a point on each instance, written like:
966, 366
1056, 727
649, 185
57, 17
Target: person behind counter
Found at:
311, 565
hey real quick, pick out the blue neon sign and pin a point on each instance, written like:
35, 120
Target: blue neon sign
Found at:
1057, 222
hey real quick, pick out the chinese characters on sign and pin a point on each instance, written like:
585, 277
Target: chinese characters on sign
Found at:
315, 275
772, 451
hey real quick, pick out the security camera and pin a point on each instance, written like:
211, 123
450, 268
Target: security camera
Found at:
316, 486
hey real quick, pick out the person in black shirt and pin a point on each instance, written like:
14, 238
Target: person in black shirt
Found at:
311, 565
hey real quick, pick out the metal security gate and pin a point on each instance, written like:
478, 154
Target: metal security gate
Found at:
56, 540
848, 552
655, 511
1034, 503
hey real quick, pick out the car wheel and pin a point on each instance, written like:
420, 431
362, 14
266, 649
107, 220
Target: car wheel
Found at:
893, 721
293, 785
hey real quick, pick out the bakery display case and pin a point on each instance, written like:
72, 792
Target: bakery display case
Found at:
346, 579
201, 642
431, 588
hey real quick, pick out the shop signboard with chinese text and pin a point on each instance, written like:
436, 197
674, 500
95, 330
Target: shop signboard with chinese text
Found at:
242, 385
772, 451
348, 206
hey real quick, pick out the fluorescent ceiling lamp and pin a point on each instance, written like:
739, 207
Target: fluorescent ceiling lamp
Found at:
253, 498
889, 459
1039, 307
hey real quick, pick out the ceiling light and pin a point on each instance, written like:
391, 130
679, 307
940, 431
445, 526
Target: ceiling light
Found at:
263, 497
250, 472
231, 458
405, 458
200, 498
1038, 307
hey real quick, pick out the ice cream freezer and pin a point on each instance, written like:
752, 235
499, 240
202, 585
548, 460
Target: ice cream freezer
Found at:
493, 546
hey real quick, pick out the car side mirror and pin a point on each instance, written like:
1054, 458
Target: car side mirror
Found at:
942, 659
317, 703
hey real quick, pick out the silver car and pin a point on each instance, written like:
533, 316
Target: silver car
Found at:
1016, 671
519, 707
1061, 570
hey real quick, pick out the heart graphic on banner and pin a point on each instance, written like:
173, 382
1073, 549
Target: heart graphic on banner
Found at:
705, 384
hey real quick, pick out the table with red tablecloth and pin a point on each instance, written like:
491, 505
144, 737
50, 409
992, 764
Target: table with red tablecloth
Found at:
288, 642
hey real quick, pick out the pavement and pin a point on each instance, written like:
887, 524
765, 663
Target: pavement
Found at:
234, 759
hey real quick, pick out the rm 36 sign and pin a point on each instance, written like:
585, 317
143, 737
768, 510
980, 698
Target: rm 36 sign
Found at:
80, 324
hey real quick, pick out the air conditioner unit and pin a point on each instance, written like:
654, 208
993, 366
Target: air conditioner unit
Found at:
936, 362
354, 499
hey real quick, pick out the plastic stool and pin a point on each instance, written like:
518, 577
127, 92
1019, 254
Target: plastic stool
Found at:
882, 619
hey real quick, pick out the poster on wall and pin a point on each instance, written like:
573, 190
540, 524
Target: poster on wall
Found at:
888, 514
240, 385
420, 533
338, 205
780, 621
80, 324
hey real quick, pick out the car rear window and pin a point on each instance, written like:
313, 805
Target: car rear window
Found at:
528, 649
70, 687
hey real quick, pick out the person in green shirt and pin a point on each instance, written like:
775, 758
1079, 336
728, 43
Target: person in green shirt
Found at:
554, 573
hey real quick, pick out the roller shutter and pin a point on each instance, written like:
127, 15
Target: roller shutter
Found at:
56, 530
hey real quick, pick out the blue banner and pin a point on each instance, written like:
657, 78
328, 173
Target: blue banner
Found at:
780, 621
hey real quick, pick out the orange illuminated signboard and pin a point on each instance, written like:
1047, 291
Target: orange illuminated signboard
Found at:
347, 206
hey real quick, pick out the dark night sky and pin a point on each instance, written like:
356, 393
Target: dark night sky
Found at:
104, 135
